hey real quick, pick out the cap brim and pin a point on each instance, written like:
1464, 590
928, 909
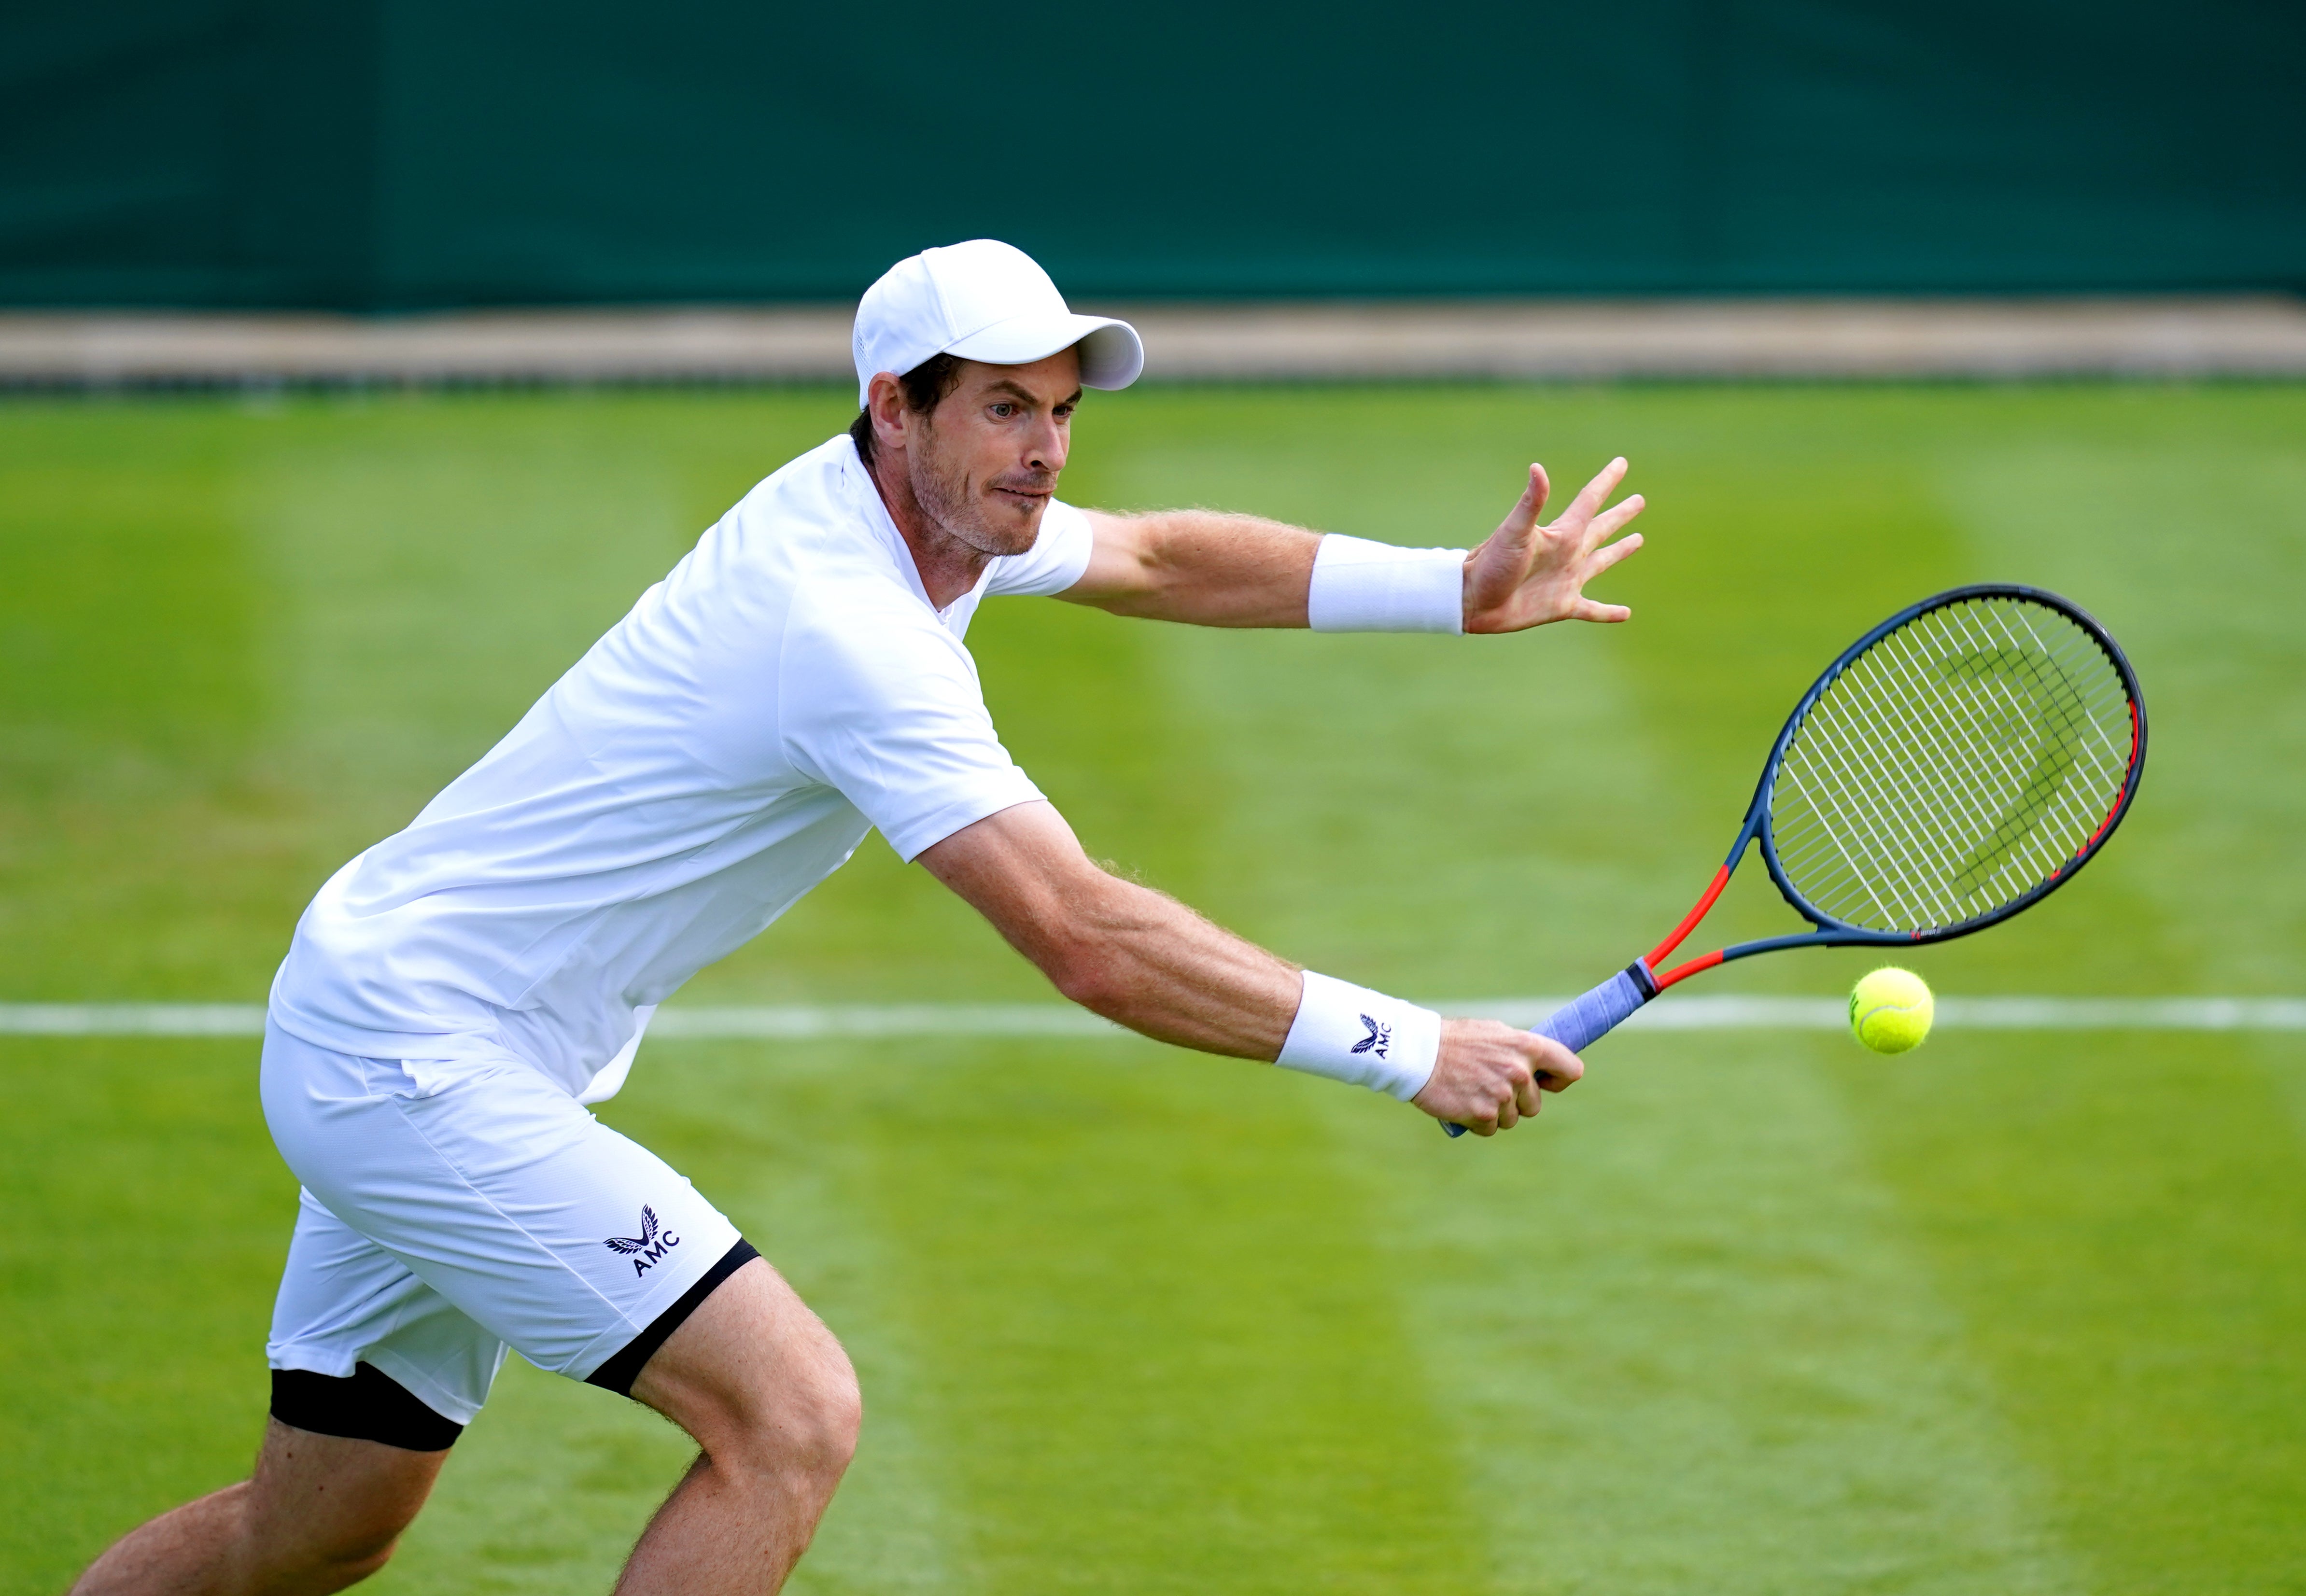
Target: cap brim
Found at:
1112, 356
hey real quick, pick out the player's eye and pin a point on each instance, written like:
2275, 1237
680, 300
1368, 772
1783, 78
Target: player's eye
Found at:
1004, 410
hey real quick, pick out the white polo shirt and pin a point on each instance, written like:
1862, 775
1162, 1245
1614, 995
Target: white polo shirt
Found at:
724, 749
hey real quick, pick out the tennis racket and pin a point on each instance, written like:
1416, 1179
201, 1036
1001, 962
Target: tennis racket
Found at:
1958, 763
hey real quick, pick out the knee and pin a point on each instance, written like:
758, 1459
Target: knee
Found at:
761, 1383
806, 1424
325, 1512
350, 1564
820, 1416
342, 1556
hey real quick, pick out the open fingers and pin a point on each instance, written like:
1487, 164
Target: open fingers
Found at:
1594, 494
1595, 563
1602, 559
1611, 521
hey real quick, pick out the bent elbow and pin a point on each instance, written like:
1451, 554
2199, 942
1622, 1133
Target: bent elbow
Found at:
1084, 942
1081, 977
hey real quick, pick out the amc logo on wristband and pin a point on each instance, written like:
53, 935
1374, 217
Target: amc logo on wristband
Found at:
1352, 1034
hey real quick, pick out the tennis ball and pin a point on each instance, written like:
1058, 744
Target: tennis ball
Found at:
1891, 1010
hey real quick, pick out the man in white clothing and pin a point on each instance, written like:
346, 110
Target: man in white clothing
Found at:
456, 995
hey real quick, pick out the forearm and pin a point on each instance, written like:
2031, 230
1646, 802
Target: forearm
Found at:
1135, 955
1204, 568
1147, 962
1220, 570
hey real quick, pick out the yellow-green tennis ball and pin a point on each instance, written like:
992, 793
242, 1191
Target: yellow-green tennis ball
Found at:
1891, 1010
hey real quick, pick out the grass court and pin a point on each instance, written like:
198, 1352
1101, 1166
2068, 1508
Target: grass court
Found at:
1745, 1313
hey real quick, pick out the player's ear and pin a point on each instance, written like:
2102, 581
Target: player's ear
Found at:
885, 402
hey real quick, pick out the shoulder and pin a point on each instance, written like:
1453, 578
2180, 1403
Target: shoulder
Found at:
810, 490
791, 531
1058, 561
809, 526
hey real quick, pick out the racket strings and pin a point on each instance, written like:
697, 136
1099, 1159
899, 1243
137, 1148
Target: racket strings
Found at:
2067, 735
1944, 858
1953, 767
2047, 790
1876, 824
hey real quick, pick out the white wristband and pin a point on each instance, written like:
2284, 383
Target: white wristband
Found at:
1361, 586
1351, 1033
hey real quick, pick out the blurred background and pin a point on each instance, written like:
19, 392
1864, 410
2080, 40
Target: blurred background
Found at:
405, 154
360, 364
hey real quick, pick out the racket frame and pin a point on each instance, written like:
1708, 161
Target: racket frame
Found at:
1830, 932
1586, 1020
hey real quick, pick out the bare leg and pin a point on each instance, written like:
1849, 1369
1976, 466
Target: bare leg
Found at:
321, 1514
770, 1397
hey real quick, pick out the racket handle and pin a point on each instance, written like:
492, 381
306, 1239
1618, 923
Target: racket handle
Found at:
1585, 1020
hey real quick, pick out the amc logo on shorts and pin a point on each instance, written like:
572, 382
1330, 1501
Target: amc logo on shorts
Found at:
647, 1249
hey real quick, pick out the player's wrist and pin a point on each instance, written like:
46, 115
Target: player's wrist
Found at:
1364, 586
1360, 1036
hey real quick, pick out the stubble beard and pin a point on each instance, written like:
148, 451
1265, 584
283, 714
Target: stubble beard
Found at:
948, 499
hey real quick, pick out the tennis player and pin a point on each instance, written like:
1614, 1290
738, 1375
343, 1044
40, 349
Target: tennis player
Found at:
456, 995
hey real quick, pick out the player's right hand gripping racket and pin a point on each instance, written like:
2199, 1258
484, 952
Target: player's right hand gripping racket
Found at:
1955, 765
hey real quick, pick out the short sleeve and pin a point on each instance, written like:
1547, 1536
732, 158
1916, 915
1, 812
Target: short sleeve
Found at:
884, 706
1058, 558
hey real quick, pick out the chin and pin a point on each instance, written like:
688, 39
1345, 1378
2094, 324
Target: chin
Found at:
1014, 535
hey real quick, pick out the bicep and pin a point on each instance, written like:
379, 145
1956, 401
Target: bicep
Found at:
1124, 560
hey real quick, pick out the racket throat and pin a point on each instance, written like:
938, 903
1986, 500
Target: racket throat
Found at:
1658, 955
1682, 972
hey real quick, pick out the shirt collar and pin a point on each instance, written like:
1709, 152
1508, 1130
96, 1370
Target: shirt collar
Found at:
865, 495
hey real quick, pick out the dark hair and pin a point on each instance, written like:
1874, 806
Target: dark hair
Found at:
925, 387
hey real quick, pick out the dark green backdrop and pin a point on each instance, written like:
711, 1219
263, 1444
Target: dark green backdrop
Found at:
404, 153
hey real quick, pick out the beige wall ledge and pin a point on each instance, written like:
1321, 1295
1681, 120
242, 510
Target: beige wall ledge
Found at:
2262, 336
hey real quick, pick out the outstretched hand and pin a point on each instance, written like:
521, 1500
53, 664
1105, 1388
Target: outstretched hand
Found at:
1525, 575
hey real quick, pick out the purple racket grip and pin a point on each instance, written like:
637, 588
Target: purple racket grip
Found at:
1585, 1020
1582, 1021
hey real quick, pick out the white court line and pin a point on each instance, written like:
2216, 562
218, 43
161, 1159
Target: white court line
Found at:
789, 1023
132, 1019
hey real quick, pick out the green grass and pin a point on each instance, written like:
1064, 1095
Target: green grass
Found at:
1746, 1313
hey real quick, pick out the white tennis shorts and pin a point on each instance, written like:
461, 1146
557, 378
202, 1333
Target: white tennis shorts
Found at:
450, 1210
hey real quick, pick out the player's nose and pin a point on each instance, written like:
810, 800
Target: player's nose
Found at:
1046, 449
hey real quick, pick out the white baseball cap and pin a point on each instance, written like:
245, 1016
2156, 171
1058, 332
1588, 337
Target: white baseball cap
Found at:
983, 299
